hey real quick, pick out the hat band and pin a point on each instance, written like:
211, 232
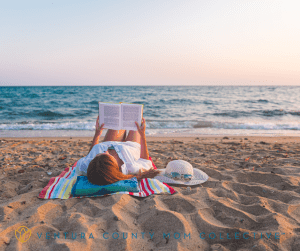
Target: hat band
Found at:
179, 176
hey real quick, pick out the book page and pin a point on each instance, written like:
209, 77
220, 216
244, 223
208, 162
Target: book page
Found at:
110, 115
130, 114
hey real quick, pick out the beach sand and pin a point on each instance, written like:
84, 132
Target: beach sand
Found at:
253, 189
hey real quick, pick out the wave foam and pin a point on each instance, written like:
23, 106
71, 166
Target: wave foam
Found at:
49, 126
158, 125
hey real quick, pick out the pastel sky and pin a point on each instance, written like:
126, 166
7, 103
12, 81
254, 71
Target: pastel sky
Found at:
150, 42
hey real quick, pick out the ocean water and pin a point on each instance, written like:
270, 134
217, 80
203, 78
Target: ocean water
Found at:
168, 110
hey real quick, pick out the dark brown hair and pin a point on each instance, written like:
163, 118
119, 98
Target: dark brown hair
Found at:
103, 170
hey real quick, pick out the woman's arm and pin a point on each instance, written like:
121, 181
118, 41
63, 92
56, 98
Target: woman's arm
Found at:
98, 133
141, 130
147, 174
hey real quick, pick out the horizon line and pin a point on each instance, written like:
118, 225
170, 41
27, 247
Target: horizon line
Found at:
147, 85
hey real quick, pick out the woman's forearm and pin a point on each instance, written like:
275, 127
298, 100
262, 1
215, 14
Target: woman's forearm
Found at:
98, 133
144, 148
95, 141
141, 130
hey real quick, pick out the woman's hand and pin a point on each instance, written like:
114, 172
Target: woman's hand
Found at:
147, 174
141, 129
99, 129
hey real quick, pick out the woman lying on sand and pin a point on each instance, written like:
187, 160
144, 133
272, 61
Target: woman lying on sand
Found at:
118, 157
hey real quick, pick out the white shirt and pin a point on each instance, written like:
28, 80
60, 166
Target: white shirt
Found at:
129, 152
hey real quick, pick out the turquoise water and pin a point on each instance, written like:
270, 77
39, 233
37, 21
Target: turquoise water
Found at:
201, 110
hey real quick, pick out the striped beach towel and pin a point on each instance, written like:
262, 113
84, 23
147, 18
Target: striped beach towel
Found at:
60, 187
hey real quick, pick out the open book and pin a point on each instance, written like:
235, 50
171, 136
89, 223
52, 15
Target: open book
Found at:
120, 116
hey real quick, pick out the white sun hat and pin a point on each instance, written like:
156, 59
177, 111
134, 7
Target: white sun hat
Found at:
181, 172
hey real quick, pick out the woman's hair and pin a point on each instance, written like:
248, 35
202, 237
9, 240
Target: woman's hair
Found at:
102, 170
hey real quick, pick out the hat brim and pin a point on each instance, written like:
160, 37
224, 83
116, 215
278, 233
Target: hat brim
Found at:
198, 178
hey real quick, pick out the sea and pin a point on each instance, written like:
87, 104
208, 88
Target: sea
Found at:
71, 111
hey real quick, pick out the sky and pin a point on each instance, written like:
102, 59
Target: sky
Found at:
154, 42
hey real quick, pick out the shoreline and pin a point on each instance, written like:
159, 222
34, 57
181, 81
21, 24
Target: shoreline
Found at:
163, 133
268, 139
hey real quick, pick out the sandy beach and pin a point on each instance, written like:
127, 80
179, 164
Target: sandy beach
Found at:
250, 202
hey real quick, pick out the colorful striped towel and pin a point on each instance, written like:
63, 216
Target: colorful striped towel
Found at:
60, 187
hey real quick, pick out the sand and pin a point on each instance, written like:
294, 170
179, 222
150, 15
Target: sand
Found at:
250, 202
